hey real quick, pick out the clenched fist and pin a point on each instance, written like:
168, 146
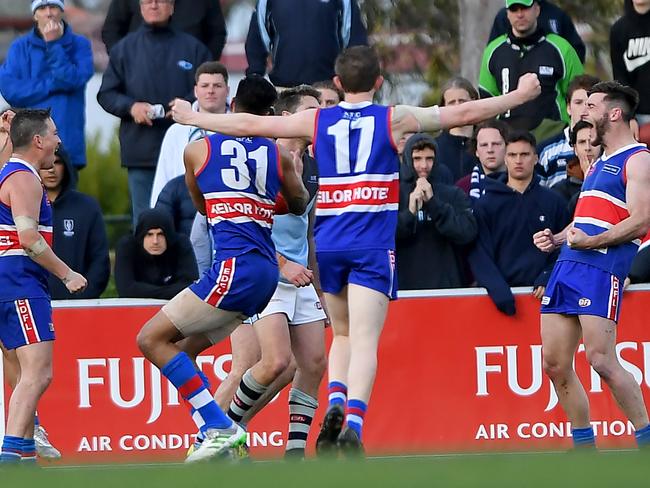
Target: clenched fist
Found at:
74, 282
544, 241
181, 111
529, 87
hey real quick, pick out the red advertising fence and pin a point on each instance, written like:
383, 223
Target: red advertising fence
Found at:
454, 375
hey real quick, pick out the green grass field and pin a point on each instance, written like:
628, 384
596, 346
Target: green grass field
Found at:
548, 470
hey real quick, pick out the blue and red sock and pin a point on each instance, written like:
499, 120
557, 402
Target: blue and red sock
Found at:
337, 393
354, 414
206, 413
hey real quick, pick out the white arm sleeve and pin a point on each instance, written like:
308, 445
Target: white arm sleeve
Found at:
427, 118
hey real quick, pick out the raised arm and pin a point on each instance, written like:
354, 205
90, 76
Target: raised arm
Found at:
637, 224
415, 119
70, 68
300, 124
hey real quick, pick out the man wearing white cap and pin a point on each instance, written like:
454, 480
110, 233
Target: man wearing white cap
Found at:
48, 68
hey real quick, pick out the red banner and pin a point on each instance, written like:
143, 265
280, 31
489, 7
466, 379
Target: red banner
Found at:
454, 375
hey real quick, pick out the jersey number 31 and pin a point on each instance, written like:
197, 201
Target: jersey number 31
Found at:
238, 177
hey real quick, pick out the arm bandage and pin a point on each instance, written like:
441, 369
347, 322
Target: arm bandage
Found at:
428, 118
27, 223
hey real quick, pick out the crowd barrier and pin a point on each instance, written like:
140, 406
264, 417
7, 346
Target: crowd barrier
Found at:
454, 375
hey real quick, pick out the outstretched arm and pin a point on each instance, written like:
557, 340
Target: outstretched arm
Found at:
415, 119
300, 124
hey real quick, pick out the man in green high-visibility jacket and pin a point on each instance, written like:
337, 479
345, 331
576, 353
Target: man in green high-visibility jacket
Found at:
527, 48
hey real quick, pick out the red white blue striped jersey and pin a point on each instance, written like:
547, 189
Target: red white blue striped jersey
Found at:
602, 205
240, 180
20, 276
358, 181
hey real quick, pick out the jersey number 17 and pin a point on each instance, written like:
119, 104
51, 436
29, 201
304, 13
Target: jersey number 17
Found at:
341, 133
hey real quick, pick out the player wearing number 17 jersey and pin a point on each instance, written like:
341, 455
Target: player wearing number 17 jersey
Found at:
357, 212
234, 182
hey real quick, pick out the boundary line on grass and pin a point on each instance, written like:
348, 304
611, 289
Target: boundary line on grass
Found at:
372, 458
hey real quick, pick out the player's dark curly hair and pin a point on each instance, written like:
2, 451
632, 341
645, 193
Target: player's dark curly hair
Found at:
255, 95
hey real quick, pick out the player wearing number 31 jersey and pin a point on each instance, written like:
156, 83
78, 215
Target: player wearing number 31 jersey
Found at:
357, 213
239, 204
235, 182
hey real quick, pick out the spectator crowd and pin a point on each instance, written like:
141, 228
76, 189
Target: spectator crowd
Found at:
471, 197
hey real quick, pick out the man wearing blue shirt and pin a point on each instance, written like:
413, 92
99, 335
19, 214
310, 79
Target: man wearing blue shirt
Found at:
48, 68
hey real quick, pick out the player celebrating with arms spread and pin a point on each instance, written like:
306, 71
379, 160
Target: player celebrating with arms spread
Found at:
356, 216
582, 298
234, 182
25, 259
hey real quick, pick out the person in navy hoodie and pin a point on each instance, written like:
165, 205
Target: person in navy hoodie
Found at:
513, 208
79, 235
49, 67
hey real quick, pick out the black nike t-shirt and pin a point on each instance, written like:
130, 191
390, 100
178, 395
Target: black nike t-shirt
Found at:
630, 52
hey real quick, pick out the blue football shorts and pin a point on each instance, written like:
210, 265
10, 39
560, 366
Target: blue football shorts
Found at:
581, 289
26, 321
371, 268
243, 283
